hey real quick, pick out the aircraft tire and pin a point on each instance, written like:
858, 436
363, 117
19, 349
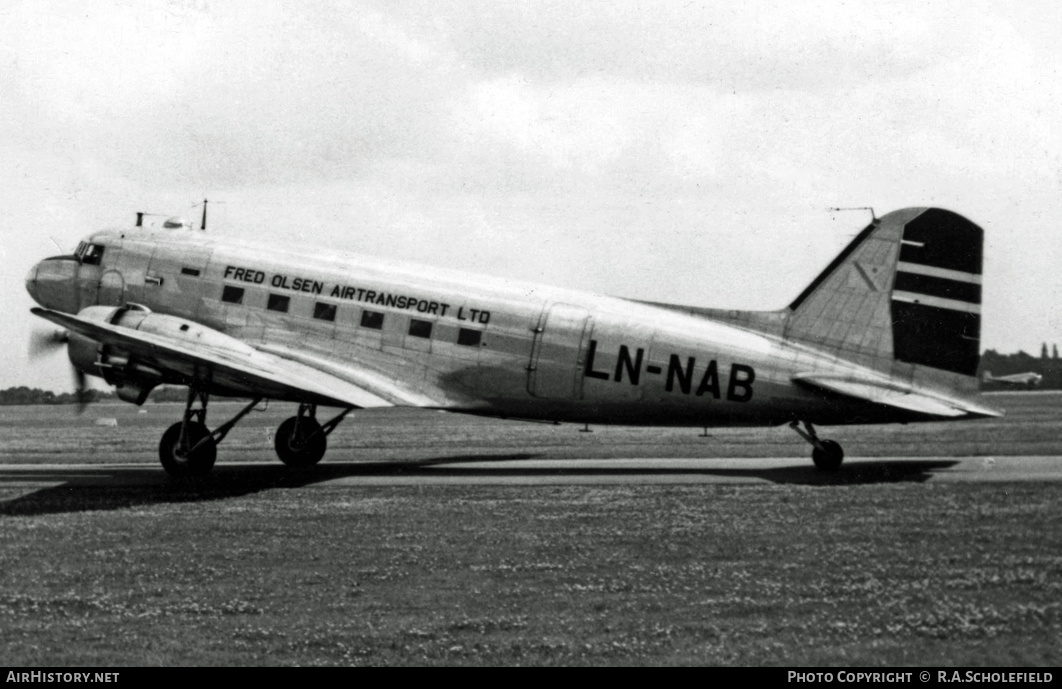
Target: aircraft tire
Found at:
198, 463
311, 450
829, 458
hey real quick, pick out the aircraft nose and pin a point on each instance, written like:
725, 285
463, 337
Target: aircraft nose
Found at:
53, 283
31, 282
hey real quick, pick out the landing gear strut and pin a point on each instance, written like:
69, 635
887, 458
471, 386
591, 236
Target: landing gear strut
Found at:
188, 447
827, 454
301, 440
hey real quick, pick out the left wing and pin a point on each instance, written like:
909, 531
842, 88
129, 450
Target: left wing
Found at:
189, 351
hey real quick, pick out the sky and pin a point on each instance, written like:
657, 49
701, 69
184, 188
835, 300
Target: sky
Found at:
686, 152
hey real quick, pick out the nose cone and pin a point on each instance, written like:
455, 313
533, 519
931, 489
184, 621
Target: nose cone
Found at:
31, 283
53, 284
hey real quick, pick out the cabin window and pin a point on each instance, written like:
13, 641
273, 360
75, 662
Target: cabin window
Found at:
232, 295
194, 272
372, 319
469, 338
418, 328
324, 312
278, 302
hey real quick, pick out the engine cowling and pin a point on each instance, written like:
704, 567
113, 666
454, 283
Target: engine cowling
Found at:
134, 379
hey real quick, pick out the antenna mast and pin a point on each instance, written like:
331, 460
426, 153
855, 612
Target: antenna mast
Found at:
202, 226
874, 217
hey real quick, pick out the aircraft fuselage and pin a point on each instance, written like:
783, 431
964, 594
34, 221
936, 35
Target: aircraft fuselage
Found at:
468, 343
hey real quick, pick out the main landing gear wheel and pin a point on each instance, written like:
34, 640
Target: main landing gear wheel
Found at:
188, 447
194, 455
829, 456
301, 442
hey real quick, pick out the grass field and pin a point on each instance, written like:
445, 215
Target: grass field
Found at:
211, 573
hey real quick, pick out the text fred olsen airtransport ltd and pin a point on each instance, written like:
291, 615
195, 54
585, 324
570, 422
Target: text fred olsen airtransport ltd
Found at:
941, 676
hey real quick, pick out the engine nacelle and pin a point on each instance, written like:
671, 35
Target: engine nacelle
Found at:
132, 378
83, 353
175, 329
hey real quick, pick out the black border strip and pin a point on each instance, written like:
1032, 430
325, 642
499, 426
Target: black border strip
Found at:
841, 257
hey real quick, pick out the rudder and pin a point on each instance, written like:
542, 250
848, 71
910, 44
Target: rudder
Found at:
936, 298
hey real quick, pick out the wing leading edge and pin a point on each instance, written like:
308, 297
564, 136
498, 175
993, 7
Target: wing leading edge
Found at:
240, 368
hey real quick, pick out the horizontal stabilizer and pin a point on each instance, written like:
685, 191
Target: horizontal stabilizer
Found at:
895, 396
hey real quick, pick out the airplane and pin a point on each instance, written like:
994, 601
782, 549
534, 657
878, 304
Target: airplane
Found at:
1029, 379
888, 333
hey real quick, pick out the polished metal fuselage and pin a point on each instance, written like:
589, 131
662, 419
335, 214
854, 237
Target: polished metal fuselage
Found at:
494, 346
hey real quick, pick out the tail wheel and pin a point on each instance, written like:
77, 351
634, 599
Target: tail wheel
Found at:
829, 456
301, 443
194, 457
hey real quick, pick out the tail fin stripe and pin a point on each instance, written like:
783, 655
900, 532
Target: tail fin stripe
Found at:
919, 269
936, 302
937, 287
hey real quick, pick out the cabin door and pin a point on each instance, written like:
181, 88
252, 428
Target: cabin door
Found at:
556, 369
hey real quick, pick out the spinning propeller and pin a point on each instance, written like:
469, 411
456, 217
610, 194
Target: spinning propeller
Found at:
43, 343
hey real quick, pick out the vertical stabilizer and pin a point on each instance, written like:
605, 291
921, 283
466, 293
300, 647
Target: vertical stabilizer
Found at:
906, 289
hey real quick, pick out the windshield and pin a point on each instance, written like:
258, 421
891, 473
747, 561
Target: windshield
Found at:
90, 254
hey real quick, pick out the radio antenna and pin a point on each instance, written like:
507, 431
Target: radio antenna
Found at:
858, 208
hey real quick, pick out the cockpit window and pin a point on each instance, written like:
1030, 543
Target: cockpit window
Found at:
90, 254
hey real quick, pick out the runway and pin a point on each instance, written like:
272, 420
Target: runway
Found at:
20, 479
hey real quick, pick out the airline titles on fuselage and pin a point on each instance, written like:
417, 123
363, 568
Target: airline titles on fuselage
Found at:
359, 294
680, 374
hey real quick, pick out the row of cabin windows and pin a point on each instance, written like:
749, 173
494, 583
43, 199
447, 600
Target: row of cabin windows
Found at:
369, 319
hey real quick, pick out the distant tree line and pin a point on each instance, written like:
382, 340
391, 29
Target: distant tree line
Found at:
169, 393
1048, 365
25, 395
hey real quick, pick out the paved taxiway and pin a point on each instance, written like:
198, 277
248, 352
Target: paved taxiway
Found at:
22, 477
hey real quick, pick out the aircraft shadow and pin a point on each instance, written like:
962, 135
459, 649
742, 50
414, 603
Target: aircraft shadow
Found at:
861, 473
853, 474
112, 488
